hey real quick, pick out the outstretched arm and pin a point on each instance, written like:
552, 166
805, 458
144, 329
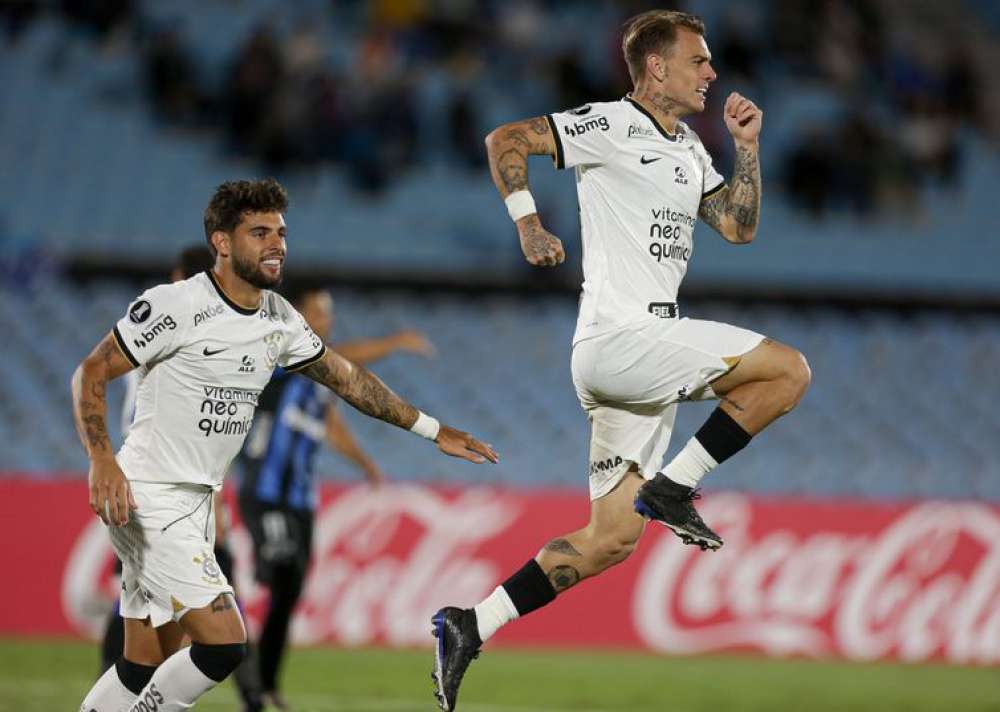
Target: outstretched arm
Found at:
507, 149
110, 495
734, 211
363, 390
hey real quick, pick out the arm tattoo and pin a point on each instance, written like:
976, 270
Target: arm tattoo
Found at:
513, 168
536, 241
562, 577
561, 546
539, 125
509, 147
89, 401
361, 389
739, 201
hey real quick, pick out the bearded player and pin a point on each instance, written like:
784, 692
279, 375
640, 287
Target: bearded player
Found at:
207, 346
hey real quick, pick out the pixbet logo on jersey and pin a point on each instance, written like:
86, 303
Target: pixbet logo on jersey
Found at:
161, 325
207, 313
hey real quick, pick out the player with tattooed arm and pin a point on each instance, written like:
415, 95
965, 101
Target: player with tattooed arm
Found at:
643, 178
207, 347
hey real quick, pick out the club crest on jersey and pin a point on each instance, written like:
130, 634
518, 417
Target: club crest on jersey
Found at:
273, 343
680, 176
209, 567
140, 311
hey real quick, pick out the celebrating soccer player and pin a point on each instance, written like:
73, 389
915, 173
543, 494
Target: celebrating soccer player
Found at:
207, 347
642, 177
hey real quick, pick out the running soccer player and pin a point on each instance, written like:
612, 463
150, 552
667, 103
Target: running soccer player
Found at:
642, 176
191, 261
208, 346
277, 492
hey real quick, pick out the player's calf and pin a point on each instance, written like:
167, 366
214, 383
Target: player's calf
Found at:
118, 687
187, 675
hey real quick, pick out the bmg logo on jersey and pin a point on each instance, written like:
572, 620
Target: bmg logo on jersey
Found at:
163, 324
582, 127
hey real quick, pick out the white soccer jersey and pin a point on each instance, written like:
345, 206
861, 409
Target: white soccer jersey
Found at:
639, 190
205, 361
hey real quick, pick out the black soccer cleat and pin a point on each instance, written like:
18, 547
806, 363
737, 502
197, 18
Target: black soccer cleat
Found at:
458, 645
665, 501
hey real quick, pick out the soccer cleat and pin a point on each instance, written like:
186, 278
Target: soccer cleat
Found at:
458, 645
665, 501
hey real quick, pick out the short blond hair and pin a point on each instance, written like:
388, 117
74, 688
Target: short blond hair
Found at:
653, 32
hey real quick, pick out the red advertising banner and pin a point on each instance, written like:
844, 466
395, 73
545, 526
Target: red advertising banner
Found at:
855, 579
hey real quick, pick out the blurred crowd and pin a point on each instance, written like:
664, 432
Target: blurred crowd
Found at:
383, 86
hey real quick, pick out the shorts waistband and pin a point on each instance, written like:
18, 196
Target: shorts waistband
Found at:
664, 310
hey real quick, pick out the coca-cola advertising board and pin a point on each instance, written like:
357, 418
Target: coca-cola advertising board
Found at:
860, 580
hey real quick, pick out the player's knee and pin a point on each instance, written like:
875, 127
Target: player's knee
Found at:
797, 376
216, 662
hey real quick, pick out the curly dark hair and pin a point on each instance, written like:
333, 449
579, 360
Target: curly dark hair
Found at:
234, 198
653, 32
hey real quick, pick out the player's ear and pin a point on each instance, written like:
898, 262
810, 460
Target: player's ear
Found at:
656, 67
222, 243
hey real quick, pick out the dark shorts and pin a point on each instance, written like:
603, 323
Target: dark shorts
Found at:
282, 538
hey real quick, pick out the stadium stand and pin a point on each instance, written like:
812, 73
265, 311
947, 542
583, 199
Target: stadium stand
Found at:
104, 163
897, 399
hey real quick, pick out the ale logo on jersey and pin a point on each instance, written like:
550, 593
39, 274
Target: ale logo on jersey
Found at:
140, 311
680, 176
247, 364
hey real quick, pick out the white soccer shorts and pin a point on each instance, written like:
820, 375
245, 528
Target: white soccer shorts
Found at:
630, 380
167, 552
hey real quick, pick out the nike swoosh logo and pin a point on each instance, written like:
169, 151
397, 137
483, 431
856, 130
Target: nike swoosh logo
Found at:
645, 160
207, 352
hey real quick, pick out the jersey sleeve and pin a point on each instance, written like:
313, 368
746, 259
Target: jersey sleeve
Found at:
712, 181
152, 325
303, 347
582, 136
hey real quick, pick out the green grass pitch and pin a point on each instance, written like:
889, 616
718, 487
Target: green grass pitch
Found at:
53, 676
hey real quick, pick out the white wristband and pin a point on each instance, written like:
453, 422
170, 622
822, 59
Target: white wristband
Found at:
519, 204
426, 426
